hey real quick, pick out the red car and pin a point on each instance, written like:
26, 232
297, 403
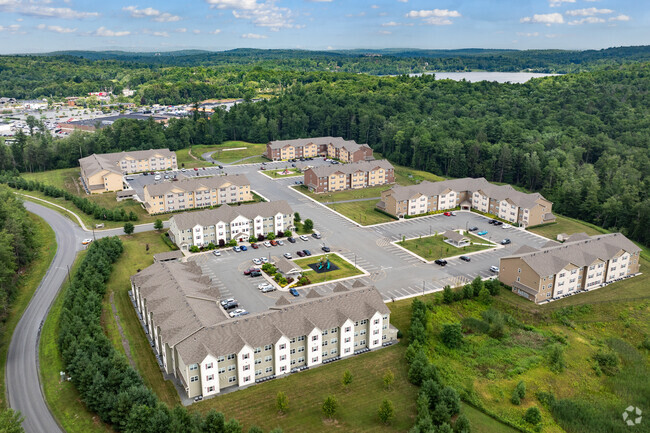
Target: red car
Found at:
262, 168
274, 243
254, 246
447, 214
196, 169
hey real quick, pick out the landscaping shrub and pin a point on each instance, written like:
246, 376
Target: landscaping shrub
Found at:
607, 362
194, 249
556, 358
473, 324
519, 393
452, 335
533, 415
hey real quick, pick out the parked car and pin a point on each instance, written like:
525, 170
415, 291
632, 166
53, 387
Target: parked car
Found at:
492, 221
236, 249
294, 292
291, 239
227, 301
473, 229
506, 226
237, 312
249, 270
447, 214
304, 238
326, 249
262, 168
288, 255
244, 248
482, 233
257, 261
494, 269
196, 169
254, 246
300, 254
280, 242
465, 258
183, 170
453, 213
216, 253
293, 165
86, 241
267, 244
307, 252
256, 273
174, 179
316, 235
264, 259
498, 223
268, 289
230, 305
274, 243
263, 285
166, 176
157, 177
441, 262
506, 241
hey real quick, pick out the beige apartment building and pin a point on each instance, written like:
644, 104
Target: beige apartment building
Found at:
220, 225
103, 172
582, 262
208, 353
355, 175
196, 193
469, 193
331, 147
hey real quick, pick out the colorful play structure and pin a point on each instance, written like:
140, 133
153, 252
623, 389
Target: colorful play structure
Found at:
324, 262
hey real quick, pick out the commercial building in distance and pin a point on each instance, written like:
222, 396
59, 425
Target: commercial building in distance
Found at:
582, 262
502, 201
226, 222
208, 353
91, 125
196, 193
331, 147
356, 175
103, 172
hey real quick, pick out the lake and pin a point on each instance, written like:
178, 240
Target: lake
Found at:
499, 77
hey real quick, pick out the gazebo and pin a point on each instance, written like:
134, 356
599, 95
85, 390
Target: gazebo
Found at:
455, 238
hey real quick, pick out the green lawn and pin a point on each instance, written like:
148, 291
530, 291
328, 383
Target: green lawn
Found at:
277, 173
363, 212
352, 194
62, 398
409, 176
225, 156
65, 178
185, 160
134, 257
345, 268
434, 247
27, 284
253, 160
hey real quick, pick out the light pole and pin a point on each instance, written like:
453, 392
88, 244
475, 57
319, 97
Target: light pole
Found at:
355, 260
429, 230
422, 287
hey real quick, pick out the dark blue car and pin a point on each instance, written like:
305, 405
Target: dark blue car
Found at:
244, 248
294, 292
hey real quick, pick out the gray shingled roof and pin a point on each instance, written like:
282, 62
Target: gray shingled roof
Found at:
365, 166
109, 161
193, 184
454, 236
550, 260
287, 266
227, 213
167, 255
499, 192
338, 142
293, 320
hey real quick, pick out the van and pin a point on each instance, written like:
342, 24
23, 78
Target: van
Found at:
157, 177
129, 178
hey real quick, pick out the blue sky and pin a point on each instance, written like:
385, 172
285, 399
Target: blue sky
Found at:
163, 25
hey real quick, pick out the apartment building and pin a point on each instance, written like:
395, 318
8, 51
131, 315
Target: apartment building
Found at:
103, 172
196, 193
227, 222
331, 147
207, 352
582, 262
469, 193
355, 175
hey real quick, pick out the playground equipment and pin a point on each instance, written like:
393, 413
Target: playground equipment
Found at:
324, 263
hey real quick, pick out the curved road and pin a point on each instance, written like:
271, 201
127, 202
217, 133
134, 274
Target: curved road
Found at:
22, 374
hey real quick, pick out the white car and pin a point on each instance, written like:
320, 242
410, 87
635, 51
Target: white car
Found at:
453, 213
264, 259
267, 244
506, 226
287, 255
257, 261
264, 286
237, 312
280, 242
268, 289
227, 301
86, 241
494, 269
216, 253
157, 177
304, 238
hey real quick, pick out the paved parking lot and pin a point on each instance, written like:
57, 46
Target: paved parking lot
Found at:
394, 272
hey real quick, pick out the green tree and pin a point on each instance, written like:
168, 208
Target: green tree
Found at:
468, 292
462, 424
447, 295
477, 286
287, 233
484, 296
330, 405
388, 379
296, 217
158, 224
308, 225
452, 335
282, 402
533, 415
128, 228
11, 421
347, 379
386, 411
519, 393
270, 236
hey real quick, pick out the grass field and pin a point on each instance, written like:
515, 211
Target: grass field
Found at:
221, 154
134, 257
409, 176
434, 247
363, 212
184, 160
277, 173
345, 270
353, 194
27, 284
63, 399
252, 160
568, 226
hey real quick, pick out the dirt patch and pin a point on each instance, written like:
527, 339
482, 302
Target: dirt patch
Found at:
125, 342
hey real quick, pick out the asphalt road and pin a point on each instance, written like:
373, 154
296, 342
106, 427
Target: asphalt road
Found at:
22, 373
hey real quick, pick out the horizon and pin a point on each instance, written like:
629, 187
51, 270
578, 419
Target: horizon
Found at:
44, 26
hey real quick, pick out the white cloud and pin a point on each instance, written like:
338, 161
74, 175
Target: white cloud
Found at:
151, 13
374, 7
233, 4
158, 34
385, 32
435, 17
253, 36
196, 31
320, 1
556, 3
390, 24
548, 19
587, 20
403, 1
620, 18
181, 30
587, 12
215, 32
46, 11
528, 35
104, 32
56, 29
12, 28
261, 14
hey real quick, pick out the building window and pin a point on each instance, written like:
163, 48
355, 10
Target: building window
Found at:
231, 356
194, 379
232, 379
283, 346
210, 389
232, 367
194, 367
268, 347
314, 338
314, 359
246, 367
209, 377
245, 356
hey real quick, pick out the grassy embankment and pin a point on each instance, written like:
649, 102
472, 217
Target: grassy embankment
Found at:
434, 247
220, 154
29, 280
345, 268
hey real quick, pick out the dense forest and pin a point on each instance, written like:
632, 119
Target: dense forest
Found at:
582, 140
189, 76
16, 245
